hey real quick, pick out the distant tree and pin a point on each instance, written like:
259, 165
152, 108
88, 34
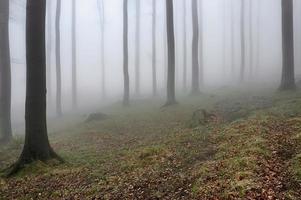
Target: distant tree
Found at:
185, 45
195, 86
74, 63
36, 147
232, 38
242, 39
154, 47
258, 36
171, 97
251, 37
288, 71
126, 96
58, 59
102, 41
137, 43
5, 74
201, 47
49, 48
165, 61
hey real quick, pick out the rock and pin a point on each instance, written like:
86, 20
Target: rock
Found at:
96, 117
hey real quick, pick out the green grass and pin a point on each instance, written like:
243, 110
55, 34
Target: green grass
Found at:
148, 151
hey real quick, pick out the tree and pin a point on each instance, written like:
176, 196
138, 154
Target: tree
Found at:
49, 48
5, 74
58, 59
185, 45
195, 86
232, 39
36, 147
171, 97
126, 96
74, 66
242, 39
251, 36
102, 41
154, 47
201, 56
288, 73
137, 54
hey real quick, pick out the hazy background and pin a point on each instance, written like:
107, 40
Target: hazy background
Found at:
88, 47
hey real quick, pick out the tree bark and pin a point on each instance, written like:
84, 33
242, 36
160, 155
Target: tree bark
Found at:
195, 86
251, 37
242, 37
126, 96
232, 39
185, 45
137, 54
201, 52
171, 97
36, 145
58, 59
49, 49
102, 56
154, 48
74, 63
5, 74
288, 73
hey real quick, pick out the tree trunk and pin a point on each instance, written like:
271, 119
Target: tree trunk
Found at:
195, 86
74, 64
165, 64
58, 59
201, 56
49, 49
242, 38
126, 96
251, 37
137, 54
232, 39
36, 145
154, 48
5, 74
171, 97
288, 74
102, 56
257, 65
185, 46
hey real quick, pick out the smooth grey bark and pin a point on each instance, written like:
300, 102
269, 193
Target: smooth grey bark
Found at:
201, 49
5, 74
288, 71
137, 43
102, 55
257, 65
126, 96
36, 145
58, 59
171, 97
165, 62
49, 49
195, 85
74, 63
224, 38
154, 48
251, 37
242, 41
232, 39
185, 45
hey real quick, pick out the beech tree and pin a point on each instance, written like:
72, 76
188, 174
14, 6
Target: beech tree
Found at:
102, 46
185, 45
154, 48
137, 43
74, 64
242, 41
58, 59
5, 74
36, 147
195, 86
288, 71
49, 49
171, 96
126, 96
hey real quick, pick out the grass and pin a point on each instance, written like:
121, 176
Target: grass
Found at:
144, 151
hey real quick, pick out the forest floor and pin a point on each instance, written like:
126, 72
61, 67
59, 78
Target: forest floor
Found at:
226, 144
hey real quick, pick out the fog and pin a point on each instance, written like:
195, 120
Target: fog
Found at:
215, 19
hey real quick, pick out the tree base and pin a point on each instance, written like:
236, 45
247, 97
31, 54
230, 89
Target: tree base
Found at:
287, 87
26, 158
169, 103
